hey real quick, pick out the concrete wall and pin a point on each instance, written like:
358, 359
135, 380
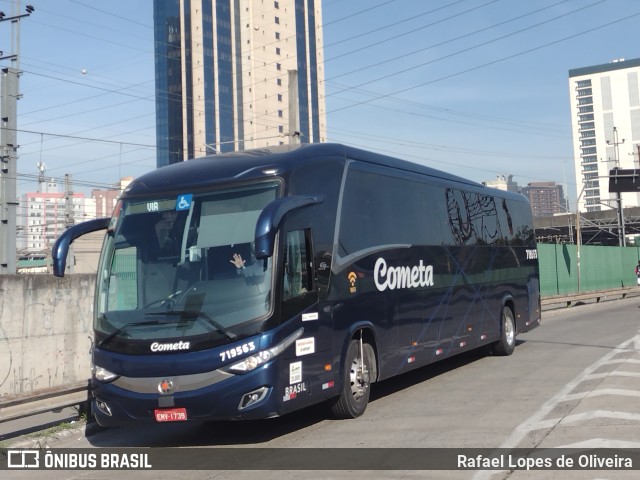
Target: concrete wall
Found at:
45, 332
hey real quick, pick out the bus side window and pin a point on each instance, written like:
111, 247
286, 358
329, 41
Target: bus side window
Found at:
297, 268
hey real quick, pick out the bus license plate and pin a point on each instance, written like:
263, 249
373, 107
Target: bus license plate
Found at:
171, 415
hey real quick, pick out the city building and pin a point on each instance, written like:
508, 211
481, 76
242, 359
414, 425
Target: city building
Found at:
227, 73
503, 182
546, 198
106, 199
605, 115
44, 215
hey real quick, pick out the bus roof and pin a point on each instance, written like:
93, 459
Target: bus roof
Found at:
258, 163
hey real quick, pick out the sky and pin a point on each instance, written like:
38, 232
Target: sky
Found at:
478, 88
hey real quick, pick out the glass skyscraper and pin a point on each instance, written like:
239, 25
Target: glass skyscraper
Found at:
237, 74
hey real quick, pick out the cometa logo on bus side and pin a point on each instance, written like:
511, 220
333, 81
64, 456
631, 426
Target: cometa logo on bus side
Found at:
393, 278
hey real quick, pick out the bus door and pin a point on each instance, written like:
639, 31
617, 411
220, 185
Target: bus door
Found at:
305, 368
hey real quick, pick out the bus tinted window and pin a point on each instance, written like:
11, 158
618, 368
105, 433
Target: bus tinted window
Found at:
482, 219
474, 218
382, 210
523, 233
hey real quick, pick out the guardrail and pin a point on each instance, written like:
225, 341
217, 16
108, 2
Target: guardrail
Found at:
572, 299
22, 406
49, 400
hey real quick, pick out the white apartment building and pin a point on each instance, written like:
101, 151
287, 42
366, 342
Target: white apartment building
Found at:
44, 215
605, 115
224, 78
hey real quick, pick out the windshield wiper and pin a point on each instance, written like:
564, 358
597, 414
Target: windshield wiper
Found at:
126, 327
186, 315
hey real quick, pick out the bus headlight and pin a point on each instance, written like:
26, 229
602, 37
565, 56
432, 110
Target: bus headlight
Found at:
254, 361
103, 375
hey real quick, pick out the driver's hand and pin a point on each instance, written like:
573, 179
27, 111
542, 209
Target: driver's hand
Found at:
237, 261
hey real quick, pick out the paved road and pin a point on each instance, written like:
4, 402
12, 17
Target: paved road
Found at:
573, 382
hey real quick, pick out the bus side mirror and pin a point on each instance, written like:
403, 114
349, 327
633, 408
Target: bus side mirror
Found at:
60, 249
271, 217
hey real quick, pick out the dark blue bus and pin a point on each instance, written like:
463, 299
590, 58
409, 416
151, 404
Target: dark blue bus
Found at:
252, 284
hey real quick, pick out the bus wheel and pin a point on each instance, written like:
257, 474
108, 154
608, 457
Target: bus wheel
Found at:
507, 342
356, 384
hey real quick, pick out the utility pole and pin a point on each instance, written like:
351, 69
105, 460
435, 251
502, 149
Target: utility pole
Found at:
42, 168
9, 145
68, 202
8, 171
621, 233
69, 219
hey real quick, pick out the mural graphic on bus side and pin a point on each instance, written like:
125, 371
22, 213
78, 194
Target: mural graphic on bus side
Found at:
393, 278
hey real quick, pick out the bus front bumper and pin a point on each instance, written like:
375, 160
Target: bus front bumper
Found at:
248, 396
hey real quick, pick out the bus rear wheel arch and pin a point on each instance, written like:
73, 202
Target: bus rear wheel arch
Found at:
507, 343
358, 373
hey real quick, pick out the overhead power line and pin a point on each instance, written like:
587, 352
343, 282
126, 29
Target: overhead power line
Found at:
408, 32
75, 137
473, 47
487, 64
444, 42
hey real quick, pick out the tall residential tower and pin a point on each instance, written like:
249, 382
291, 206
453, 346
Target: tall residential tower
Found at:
605, 113
237, 74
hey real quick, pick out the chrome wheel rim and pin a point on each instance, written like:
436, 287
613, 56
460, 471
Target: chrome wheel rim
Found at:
509, 330
359, 378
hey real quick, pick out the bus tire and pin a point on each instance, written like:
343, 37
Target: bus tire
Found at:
507, 342
356, 382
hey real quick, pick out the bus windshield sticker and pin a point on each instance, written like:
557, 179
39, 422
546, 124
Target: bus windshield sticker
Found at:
184, 202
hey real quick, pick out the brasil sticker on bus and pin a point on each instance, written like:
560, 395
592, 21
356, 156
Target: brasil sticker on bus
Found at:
170, 414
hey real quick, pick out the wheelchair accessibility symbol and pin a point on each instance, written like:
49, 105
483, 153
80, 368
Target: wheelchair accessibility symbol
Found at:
184, 202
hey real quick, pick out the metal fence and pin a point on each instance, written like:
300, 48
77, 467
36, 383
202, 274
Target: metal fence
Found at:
599, 268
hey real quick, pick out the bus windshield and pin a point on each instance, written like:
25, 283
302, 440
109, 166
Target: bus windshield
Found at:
183, 265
